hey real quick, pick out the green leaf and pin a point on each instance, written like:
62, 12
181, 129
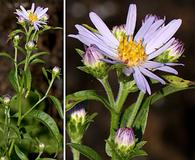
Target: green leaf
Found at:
46, 159
20, 154
176, 81
37, 60
4, 54
13, 79
35, 55
49, 122
141, 119
138, 153
77, 97
86, 151
58, 106
80, 52
46, 74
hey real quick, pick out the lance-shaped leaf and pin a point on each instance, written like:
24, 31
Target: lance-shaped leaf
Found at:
4, 54
49, 122
58, 105
77, 97
86, 151
20, 154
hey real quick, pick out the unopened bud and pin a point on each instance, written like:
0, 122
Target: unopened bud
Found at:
6, 99
173, 53
124, 139
41, 146
21, 20
45, 17
31, 44
16, 40
92, 57
56, 70
119, 32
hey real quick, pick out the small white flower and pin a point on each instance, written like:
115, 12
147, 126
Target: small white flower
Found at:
36, 17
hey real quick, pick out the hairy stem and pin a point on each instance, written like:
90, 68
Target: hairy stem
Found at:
108, 90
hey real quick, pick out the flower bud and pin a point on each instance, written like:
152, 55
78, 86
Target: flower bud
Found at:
41, 146
16, 40
119, 32
56, 70
124, 139
30, 45
92, 57
45, 17
173, 53
78, 114
3, 158
6, 100
21, 20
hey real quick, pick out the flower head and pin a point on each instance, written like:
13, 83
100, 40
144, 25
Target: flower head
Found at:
36, 17
135, 51
92, 57
124, 139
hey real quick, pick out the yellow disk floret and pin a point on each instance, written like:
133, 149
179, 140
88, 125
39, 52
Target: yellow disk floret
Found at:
131, 52
32, 17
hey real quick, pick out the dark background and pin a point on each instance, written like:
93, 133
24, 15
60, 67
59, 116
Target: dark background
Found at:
170, 130
51, 41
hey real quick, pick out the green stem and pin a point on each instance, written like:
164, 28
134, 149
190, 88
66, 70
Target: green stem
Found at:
40, 153
76, 154
11, 147
122, 96
19, 100
108, 90
16, 67
38, 102
135, 109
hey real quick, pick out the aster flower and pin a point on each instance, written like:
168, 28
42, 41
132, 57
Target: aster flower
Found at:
36, 17
135, 51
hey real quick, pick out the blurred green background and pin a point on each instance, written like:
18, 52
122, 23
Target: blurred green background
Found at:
170, 130
51, 41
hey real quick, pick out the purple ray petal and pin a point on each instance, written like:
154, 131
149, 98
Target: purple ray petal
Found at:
102, 28
131, 19
151, 75
163, 36
144, 28
160, 50
167, 69
33, 7
128, 71
109, 61
153, 29
152, 64
174, 64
